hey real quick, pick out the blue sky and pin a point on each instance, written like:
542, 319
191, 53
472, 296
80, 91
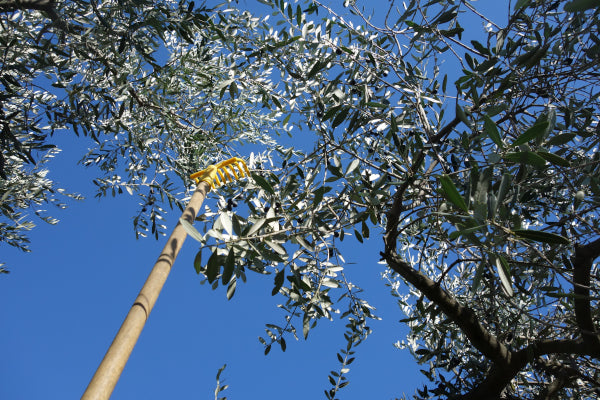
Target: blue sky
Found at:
63, 303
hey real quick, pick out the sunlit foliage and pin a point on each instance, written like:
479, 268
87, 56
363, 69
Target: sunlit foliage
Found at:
467, 143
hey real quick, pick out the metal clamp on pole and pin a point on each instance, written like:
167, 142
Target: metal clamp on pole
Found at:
104, 380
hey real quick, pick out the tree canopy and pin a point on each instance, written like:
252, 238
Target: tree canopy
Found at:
472, 153
142, 79
467, 143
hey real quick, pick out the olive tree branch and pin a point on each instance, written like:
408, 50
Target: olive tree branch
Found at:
14, 5
500, 375
582, 264
393, 215
46, 6
464, 317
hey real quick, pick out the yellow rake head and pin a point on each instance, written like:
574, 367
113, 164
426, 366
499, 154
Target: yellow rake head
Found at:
225, 170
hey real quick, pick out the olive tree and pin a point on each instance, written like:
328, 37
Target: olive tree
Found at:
469, 146
143, 80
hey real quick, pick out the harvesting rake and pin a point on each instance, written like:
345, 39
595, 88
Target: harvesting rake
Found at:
104, 380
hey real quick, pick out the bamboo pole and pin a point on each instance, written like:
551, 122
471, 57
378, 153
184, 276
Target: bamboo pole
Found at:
104, 380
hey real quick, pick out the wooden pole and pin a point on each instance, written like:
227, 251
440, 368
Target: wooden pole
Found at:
104, 380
